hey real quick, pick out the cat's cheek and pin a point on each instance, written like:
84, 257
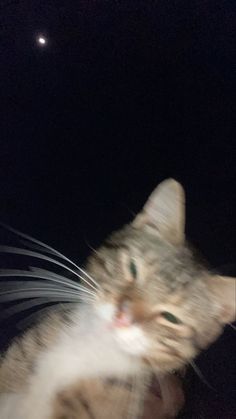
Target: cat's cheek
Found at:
106, 311
166, 360
205, 338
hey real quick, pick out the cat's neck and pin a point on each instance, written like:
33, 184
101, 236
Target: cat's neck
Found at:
84, 347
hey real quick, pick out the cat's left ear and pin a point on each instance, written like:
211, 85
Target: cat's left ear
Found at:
223, 292
164, 212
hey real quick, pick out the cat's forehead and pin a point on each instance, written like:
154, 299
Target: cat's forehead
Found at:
175, 265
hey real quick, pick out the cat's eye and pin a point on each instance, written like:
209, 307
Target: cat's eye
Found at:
170, 317
133, 269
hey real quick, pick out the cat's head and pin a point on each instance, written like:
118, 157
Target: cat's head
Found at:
164, 306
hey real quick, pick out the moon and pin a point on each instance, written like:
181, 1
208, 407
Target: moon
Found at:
41, 40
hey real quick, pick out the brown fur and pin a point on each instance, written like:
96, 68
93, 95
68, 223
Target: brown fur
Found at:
95, 399
18, 363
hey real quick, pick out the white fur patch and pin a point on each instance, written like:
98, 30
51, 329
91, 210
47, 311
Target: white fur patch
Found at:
132, 340
90, 347
106, 311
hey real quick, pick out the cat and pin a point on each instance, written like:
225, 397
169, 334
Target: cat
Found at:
148, 307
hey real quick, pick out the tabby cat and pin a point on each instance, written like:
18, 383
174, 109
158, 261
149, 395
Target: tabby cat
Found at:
148, 307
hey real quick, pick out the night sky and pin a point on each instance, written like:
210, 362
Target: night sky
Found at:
122, 95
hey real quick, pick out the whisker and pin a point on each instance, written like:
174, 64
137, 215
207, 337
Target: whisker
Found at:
43, 274
24, 252
55, 253
19, 286
26, 305
43, 291
50, 250
54, 276
232, 325
29, 318
200, 375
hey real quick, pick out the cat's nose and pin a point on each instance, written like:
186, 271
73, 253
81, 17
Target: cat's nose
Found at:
123, 316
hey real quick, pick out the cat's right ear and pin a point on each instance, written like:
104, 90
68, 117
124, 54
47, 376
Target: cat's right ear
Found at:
223, 293
164, 212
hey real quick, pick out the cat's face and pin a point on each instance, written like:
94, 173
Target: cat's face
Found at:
162, 305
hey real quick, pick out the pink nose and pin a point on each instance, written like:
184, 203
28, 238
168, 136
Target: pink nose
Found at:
122, 320
123, 316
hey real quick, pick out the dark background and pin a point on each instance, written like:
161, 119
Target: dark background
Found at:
124, 94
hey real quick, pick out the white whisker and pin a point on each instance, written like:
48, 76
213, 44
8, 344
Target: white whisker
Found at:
43, 274
43, 291
200, 375
231, 325
54, 276
31, 303
52, 251
19, 251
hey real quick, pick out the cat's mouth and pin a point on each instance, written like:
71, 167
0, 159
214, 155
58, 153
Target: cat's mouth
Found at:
132, 339
130, 336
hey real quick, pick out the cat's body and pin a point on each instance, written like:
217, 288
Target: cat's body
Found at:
75, 353
50, 358
153, 308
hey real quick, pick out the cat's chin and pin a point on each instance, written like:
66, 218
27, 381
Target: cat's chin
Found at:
132, 340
